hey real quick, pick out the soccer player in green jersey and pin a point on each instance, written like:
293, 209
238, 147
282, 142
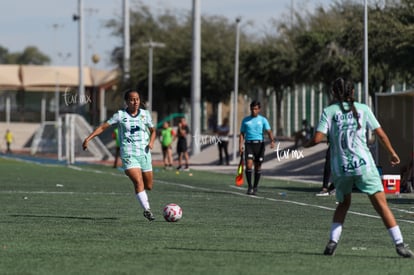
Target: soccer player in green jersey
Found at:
345, 123
167, 136
136, 135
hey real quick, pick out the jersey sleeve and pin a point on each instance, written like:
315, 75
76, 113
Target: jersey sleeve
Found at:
323, 125
242, 127
266, 124
114, 119
149, 122
372, 121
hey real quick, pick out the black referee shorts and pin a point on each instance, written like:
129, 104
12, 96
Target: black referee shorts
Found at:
254, 151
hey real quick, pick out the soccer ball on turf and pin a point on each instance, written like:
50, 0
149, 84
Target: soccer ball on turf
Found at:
172, 212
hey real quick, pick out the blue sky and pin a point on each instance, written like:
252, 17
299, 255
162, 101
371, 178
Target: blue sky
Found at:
48, 24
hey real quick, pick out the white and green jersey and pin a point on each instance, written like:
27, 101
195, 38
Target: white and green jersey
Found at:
350, 154
133, 132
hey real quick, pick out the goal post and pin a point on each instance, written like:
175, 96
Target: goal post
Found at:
64, 138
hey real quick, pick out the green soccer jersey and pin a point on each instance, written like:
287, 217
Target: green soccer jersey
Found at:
166, 136
350, 154
133, 131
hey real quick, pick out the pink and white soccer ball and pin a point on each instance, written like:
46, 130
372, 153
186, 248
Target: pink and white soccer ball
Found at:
172, 212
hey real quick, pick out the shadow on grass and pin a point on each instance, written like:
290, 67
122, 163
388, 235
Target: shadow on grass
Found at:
294, 189
63, 217
236, 251
401, 200
248, 251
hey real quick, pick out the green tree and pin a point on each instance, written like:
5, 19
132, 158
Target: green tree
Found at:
270, 64
400, 40
30, 55
312, 49
172, 64
4, 55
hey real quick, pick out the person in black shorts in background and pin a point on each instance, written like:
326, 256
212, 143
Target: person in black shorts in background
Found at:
182, 148
327, 189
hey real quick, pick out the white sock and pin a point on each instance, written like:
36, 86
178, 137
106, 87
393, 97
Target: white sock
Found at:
336, 231
143, 200
395, 234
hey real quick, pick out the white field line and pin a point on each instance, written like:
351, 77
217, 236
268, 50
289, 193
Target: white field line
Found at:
63, 193
402, 210
327, 208
203, 189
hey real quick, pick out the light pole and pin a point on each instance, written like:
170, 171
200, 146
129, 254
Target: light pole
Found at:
126, 36
196, 77
366, 51
151, 45
55, 28
57, 88
79, 17
236, 88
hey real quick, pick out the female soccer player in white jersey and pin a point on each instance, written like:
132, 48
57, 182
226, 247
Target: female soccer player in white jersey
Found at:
137, 135
345, 123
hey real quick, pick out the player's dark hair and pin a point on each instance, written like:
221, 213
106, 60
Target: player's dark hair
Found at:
343, 92
254, 103
127, 92
126, 97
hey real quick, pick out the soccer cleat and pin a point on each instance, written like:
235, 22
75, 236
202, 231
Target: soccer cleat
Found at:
404, 251
254, 191
323, 193
148, 214
330, 248
250, 191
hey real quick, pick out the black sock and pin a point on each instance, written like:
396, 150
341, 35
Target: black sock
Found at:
249, 177
257, 177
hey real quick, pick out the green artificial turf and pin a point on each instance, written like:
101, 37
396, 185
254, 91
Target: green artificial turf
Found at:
86, 220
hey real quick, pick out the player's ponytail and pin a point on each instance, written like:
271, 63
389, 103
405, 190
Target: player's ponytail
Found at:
343, 91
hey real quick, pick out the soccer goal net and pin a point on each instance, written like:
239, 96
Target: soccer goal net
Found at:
64, 139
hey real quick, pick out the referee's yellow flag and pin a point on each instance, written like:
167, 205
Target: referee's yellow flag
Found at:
240, 169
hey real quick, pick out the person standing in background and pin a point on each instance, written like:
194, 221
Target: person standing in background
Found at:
327, 189
223, 135
182, 148
167, 136
115, 136
9, 139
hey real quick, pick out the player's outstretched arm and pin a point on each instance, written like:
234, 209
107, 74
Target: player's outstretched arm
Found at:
317, 138
95, 133
385, 142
